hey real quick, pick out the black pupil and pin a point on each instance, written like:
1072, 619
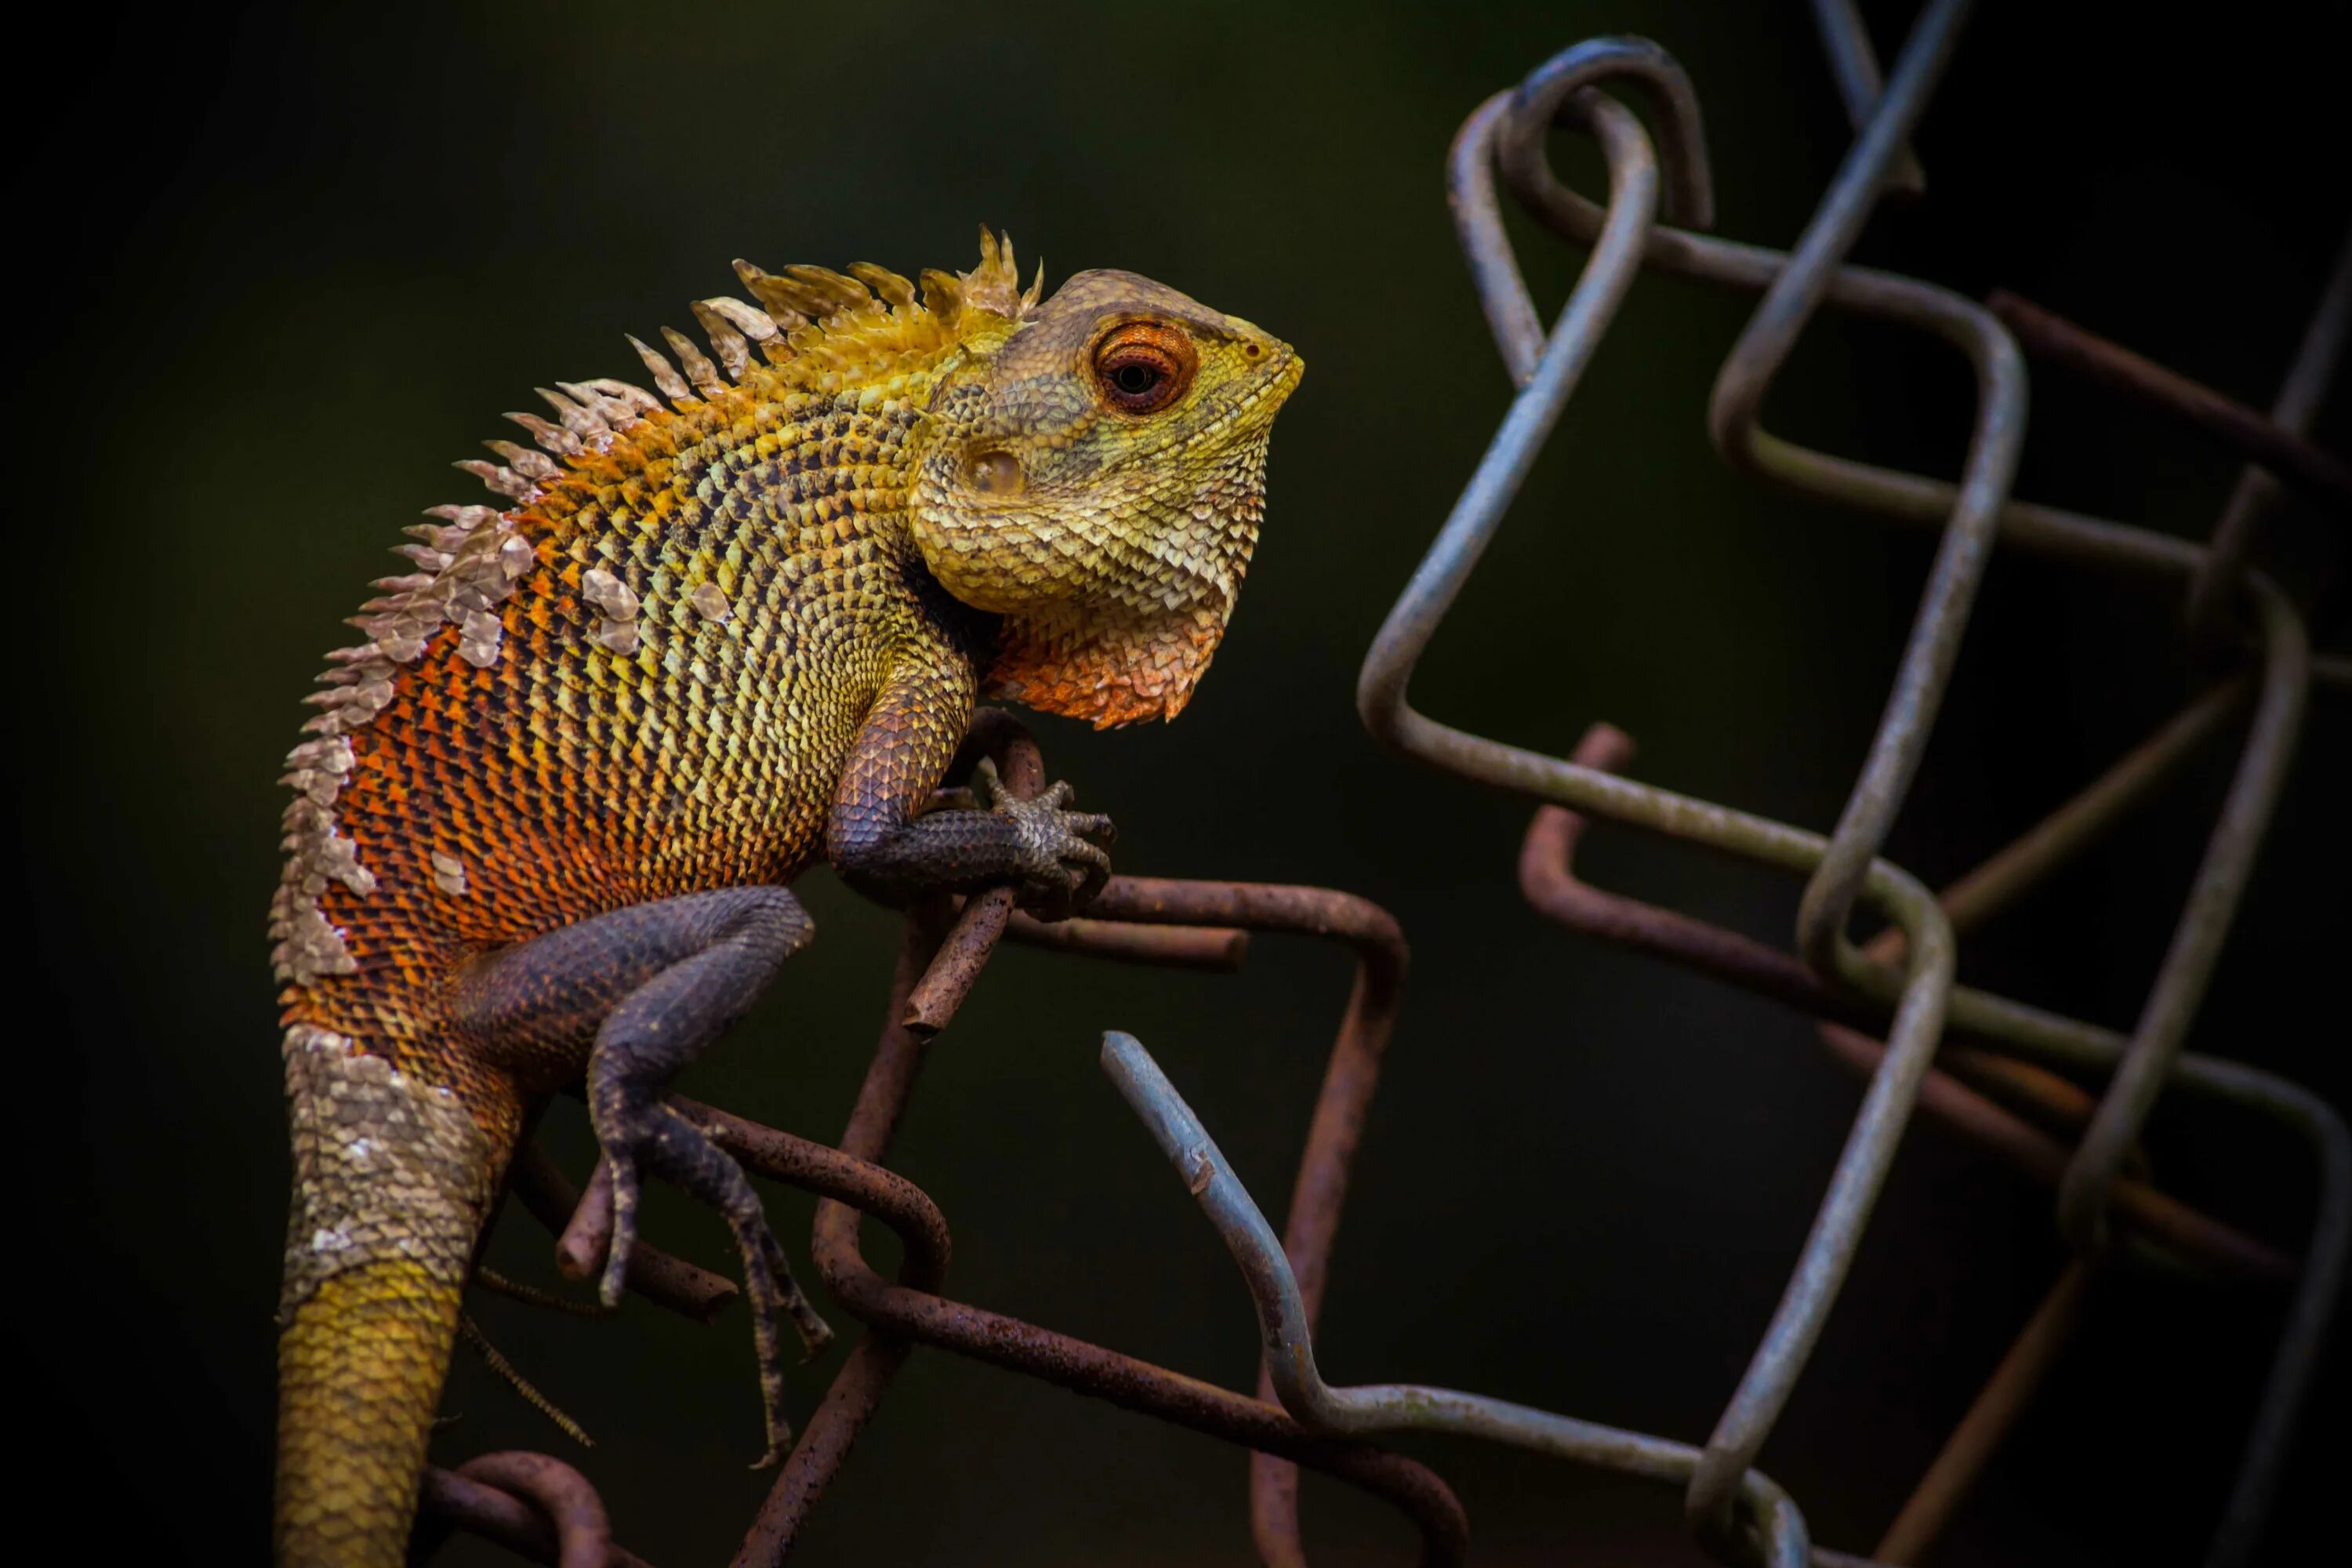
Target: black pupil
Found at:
1135, 379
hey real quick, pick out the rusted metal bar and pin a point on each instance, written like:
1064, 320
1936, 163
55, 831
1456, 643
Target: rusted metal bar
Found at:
961, 956
2260, 441
587, 1238
823, 1447
2146, 1211
965, 951
1204, 948
1336, 1127
2296, 406
1138, 1385
1548, 878
2026, 861
857, 1389
2058, 838
547, 1194
2075, 1046
843, 1178
583, 1535
917, 1315
1954, 1472
1771, 1527
2050, 1101
535, 1506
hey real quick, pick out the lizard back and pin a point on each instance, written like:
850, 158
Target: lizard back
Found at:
638, 680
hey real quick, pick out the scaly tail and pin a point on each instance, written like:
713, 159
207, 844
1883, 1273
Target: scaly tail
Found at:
392, 1180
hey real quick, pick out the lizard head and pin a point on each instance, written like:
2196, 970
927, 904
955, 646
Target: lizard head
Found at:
1095, 475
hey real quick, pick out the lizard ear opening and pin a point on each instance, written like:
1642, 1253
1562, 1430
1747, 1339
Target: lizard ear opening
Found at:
1107, 673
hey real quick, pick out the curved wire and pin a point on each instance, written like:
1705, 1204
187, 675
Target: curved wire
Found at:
1495, 132
1626, 232
1774, 1529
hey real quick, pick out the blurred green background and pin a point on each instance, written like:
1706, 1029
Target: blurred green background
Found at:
288, 263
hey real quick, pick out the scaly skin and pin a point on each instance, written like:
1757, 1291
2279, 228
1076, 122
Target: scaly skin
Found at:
546, 815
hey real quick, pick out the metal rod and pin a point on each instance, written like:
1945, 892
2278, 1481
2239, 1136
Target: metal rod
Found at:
1790, 301
1381, 701
2205, 920
1954, 1472
1905, 496
549, 1196
2268, 442
1204, 948
1771, 1527
2294, 410
532, 1504
911, 1311
1855, 65
1548, 880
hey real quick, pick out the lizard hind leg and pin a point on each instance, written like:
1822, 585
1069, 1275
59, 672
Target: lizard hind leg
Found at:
657, 982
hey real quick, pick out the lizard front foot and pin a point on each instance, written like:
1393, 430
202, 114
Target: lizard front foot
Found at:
1061, 854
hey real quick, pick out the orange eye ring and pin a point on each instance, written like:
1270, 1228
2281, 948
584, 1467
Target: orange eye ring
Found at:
1142, 367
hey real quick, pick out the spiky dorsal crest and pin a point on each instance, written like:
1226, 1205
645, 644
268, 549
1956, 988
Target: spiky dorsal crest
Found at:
840, 327
995, 284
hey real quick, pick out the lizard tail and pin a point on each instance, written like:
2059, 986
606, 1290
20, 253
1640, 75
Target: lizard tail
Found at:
393, 1179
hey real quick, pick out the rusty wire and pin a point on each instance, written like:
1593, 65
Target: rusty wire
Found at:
1826, 975
1890, 1010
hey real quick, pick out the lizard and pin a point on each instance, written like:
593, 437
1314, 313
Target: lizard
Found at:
547, 817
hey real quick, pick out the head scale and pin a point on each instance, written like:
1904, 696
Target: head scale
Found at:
1095, 474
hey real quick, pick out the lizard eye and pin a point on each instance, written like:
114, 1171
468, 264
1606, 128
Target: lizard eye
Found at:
1144, 366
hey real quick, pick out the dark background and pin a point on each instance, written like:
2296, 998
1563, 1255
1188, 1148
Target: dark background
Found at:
284, 266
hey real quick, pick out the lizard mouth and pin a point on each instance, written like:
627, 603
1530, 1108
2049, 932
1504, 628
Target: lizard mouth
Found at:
1256, 406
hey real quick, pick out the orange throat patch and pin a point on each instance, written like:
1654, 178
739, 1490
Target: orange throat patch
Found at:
1109, 673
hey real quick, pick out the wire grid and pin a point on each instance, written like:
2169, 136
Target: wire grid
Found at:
1885, 1009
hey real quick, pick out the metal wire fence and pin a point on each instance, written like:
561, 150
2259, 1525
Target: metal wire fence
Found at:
2001, 1072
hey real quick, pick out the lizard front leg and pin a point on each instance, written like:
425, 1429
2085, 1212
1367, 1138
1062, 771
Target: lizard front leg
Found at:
884, 843
657, 982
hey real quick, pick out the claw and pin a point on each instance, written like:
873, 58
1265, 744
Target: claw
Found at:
1088, 824
625, 1229
986, 776
1070, 865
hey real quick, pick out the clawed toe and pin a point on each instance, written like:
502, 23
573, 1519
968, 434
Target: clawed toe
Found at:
623, 1168
683, 1152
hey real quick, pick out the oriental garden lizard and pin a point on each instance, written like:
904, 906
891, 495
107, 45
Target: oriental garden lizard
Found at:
546, 818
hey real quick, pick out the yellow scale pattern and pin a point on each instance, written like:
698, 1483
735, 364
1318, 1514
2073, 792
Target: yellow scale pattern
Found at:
567, 779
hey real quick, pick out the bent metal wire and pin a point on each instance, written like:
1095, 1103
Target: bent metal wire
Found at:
1508, 132
1883, 1009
